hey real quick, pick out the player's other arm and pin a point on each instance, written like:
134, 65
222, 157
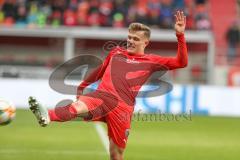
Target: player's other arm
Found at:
94, 76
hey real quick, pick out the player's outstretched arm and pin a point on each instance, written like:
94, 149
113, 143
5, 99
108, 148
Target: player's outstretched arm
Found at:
181, 60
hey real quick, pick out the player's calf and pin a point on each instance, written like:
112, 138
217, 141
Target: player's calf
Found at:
69, 112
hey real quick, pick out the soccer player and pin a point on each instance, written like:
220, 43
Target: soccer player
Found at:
122, 74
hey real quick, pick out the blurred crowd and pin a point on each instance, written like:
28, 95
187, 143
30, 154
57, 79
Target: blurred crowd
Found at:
233, 41
115, 13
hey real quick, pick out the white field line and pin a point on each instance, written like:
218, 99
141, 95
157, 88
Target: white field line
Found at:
103, 136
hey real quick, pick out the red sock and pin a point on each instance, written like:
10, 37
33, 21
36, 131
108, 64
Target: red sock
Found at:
62, 114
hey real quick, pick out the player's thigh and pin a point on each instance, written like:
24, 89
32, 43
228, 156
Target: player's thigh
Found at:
119, 124
89, 106
116, 153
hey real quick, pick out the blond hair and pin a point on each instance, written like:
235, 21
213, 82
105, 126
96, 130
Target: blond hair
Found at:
134, 27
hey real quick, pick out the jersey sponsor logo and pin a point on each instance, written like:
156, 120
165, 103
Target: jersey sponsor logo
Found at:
125, 59
131, 61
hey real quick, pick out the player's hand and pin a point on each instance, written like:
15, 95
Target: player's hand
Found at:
180, 23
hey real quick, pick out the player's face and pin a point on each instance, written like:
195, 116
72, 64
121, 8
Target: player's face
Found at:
136, 42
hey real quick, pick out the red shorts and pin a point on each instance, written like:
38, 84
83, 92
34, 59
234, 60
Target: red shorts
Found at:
107, 108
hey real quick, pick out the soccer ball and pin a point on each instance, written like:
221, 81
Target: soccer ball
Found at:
7, 112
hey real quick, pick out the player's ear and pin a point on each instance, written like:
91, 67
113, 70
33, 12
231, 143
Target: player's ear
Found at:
146, 42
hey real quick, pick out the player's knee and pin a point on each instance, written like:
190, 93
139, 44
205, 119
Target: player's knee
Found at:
120, 152
116, 154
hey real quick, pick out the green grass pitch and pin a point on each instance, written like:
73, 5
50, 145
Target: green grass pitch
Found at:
211, 138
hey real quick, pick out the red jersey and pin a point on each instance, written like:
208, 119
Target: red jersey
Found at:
123, 74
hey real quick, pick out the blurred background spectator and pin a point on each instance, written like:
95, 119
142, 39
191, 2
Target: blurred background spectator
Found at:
233, 40
116, 13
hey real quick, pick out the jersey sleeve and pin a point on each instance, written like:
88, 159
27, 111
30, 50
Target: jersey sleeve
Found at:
170, 63
97, 73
